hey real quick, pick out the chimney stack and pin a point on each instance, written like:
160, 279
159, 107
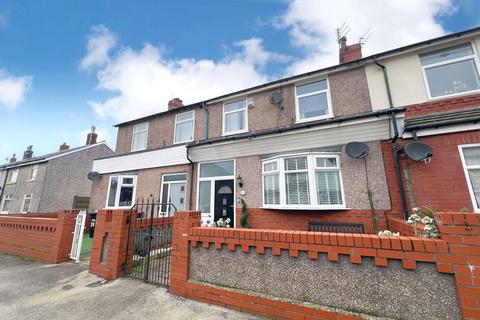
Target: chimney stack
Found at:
175, 103
349, 53
13, 159
64, 147
27, 154
91, 137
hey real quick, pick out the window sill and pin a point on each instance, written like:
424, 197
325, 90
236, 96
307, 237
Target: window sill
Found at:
310, 208
226, 134
10, 183
453, 95
32, 180
329, 116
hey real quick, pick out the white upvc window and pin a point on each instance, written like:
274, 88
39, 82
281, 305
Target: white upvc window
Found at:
451, 71
184, 127
235, 117
33, 173
140, 136
13, 176
470, 156
303, 181
173, 192
121, 191
6, 203
312, 101
27, 200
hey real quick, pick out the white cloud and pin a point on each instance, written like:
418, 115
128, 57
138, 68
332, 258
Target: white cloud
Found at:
13, 89
311, 25
99, 44
143, 81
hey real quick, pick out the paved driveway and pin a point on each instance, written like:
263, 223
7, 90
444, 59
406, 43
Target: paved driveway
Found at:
31, 290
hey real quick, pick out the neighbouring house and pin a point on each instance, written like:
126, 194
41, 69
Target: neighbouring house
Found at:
278, 149
48, 183
438, 83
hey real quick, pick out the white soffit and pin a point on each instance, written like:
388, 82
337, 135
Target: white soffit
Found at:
142, 160
335, 134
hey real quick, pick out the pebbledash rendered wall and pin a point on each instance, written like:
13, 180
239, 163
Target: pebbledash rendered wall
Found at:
44, 237
316, 275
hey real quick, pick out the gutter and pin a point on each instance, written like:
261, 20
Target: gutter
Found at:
395, 150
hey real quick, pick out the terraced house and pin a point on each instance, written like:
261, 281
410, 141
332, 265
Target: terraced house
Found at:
278, 150
48, 183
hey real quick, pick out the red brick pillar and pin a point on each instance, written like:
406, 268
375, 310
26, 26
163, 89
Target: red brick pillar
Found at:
111, 234
182, 221
62, 244
462, 233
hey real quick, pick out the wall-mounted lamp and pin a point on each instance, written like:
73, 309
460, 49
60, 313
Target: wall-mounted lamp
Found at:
240, 181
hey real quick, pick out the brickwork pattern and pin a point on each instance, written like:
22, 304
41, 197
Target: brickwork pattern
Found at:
39, 238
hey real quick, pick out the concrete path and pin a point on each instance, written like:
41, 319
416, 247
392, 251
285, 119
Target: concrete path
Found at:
31, 290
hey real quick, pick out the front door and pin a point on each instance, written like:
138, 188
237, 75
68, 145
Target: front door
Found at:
224, 198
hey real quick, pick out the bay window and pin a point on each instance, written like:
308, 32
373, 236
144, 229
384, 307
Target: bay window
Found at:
470, 155
121, 191
235, 117
306, 181
313, 101
450, 71
140, 136
184, 127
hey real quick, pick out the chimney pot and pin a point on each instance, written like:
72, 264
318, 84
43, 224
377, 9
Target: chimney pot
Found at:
27, 154
175, 103
64, 146
13, 159
347, 52
91, 137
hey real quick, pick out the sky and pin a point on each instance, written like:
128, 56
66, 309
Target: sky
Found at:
67, 65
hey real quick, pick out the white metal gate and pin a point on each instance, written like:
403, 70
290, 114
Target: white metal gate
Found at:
78, 235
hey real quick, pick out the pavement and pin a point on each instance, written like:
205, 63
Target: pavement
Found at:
32, 290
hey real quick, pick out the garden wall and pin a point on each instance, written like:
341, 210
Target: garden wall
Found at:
37, 237
315, 275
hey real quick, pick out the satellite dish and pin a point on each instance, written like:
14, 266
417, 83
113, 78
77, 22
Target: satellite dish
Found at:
356, 150
418, 151
94, 176
277, 98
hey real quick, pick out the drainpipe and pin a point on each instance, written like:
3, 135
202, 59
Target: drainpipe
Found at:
207, 117
190, 180
395, 151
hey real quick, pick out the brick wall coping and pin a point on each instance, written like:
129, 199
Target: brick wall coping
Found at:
408, 249
29, 218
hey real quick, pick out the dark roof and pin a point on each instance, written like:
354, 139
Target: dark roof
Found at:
435, 120
351, 64
297, 126
46, 156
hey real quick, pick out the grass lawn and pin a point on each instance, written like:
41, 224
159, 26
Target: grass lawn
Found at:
86, 245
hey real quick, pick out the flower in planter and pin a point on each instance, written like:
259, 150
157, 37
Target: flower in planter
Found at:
424, 215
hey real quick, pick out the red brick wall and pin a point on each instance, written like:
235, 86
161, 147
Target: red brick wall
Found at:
443, 105
44, 239
458, 253
441, 183
259, 218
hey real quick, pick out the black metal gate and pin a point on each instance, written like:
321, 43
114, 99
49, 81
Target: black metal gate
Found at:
149, 245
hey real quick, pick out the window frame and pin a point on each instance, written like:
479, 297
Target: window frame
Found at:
169, 188
33, 169
119, 187
10, 196
29, 204
443, 63
270, 173
245, 110
183, 121
312, 168
297, 105
16, 172
475, 206
141, 131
